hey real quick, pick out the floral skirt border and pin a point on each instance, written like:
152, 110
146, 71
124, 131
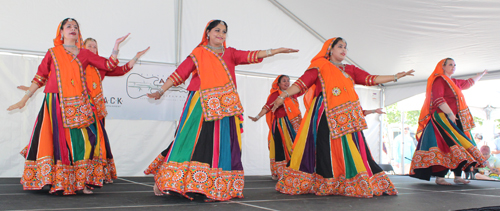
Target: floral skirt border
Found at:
296, 182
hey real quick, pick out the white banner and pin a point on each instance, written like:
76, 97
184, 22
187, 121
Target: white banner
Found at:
126, 95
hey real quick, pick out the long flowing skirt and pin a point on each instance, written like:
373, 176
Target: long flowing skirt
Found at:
324, 166
204, 158
443, 145
66, 159
280, 145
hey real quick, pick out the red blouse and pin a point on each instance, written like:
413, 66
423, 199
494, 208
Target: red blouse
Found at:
118, 71
442, 93
45, 75
310, 77
231, 57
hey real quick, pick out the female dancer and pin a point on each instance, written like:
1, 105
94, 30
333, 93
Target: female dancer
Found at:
95, 90
283, 125
330, 155
205, 156
67, 145
443, 134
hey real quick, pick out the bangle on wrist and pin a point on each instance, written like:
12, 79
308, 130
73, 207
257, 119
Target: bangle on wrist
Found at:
287, 95
281, 97
269, 52
115, 51
395, 77
161, 91
28, 93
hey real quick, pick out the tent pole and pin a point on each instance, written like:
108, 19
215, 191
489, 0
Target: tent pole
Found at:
381, 126
178, 33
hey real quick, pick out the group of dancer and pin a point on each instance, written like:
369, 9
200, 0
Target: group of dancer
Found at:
322, 152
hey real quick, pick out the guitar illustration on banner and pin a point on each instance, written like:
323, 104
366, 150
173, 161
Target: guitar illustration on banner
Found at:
138, 86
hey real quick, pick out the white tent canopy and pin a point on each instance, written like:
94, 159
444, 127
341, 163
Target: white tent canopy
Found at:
384, 37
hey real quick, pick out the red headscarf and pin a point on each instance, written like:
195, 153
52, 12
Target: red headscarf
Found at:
425, 112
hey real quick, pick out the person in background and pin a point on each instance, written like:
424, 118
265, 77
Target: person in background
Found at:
404, 139
283, 125
492, 168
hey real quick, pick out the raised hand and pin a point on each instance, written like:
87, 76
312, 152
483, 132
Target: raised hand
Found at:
285, 50
136, 57
379, 111
255, 119
18, 105
155, 95
24, 88
121, 39
403, 74
482, 73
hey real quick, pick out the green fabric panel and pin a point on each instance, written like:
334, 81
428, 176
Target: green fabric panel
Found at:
446, 128
78, 144
350, 167
184, 142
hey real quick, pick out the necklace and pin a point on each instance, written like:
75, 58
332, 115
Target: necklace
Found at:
215, 48
336, 63
69, 46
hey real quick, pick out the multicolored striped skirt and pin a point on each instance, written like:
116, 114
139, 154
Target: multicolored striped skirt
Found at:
444, 145
204, 158
324, 166
280, 145
67, 159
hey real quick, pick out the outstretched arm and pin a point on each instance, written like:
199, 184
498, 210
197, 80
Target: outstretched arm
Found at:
22, 103
479, 76
132, 62
272, 52
116, 49
157, 95
388, 78
378, 111
261, 113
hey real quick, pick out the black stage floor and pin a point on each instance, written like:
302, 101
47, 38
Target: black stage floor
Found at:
136, 193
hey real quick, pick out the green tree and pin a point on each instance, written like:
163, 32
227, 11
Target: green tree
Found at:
394, 116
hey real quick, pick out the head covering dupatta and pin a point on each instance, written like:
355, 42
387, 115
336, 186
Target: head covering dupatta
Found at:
75, 106
291, 106
94, 86
343, 110
218, 94
463, 110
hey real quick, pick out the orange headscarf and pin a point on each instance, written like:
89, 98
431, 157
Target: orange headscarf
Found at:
343, 110
75, 105
218, 94
463, 109
94, 86
59, 41
291, 108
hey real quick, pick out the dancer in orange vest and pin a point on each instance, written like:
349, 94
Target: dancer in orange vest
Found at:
205, 156
67, 146
330, 154
283, 125
443, 134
